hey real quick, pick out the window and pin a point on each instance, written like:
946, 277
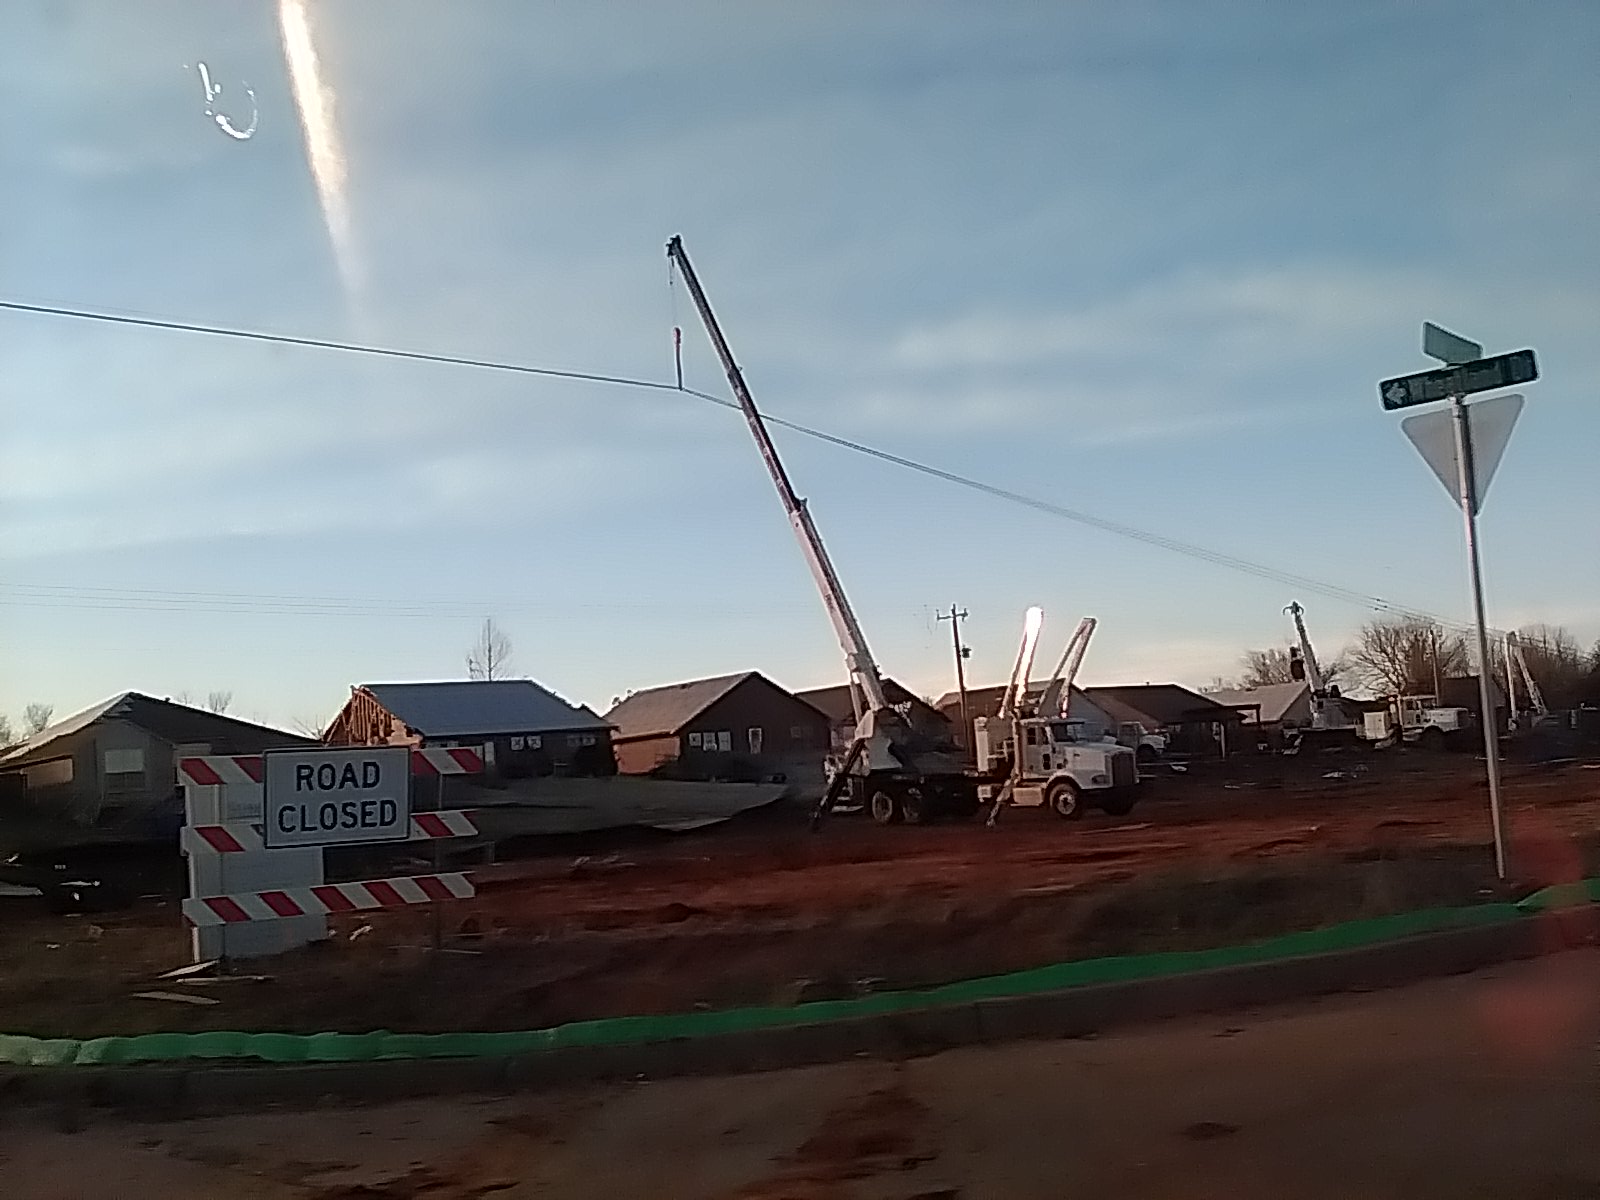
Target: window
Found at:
753, 736
124, 769
574, 740
535, 742
49, 774
797, 733
725, 741
124, 762
694, 741
517, 743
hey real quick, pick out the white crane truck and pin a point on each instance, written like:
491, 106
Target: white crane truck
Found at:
1038, 751
894, 770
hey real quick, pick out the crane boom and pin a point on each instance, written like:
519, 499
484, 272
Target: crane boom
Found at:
1017, 685
867, 684
1057, 697
1313, 671
1535, 696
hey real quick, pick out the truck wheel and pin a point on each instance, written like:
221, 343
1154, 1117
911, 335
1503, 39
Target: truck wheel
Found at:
1118, 804
1433, 739
1064, 799
912, 809
1145, 755
883, 808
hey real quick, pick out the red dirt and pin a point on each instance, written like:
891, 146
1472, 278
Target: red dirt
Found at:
761, 911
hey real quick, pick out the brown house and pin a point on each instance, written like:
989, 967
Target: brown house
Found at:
709, 727
531, 730
1194, 724
840, 709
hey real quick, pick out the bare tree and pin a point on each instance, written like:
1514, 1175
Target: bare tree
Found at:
35, 717
1263, 667
311, 727
1404, 655
217, 702
490, 656
6, 736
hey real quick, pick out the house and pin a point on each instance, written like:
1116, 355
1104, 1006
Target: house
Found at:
531, 730
985, 702
114, 766
1194, 724
841, 712
1271, 707
704, 725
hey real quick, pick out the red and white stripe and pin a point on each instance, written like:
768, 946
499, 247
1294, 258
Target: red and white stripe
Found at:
327, 898
216, 770
246, 839
212, 770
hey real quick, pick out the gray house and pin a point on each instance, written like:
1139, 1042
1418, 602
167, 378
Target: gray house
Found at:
114, 766
532, 730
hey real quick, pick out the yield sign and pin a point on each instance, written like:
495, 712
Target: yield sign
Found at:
1489, 425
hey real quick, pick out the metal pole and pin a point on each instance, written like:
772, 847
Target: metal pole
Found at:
961, 674
1469, 508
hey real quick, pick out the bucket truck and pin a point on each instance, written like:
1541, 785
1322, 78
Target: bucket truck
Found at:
894, 770
1330, 724
1033, 754
1515, 659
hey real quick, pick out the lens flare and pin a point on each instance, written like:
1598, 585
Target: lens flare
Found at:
314, 101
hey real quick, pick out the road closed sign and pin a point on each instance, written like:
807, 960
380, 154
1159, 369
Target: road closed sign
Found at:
330, 797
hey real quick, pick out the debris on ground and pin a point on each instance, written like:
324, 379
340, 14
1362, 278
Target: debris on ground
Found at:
176, 998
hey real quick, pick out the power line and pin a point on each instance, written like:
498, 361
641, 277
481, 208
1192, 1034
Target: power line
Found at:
284, 339
1117, 528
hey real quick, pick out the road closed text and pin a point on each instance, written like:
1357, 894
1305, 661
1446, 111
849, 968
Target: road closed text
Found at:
331, 816
326, 797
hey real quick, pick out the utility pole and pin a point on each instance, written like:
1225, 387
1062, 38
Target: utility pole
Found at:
955, 616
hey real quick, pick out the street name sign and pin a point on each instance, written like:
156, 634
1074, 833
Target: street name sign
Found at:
328, 797
1464, 379
1447, 347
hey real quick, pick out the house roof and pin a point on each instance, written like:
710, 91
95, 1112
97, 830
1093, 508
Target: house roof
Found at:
1275, 699
985, 700
457, 708
662, 711
165, 719
1158, 704
835, 703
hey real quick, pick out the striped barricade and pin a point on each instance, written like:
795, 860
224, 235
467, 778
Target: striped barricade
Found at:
329, 898
246, 900
244, 838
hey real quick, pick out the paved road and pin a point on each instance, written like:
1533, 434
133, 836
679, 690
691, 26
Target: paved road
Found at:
1480, 1086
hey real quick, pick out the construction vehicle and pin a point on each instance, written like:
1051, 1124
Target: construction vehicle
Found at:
1331, 724
1032, 753
894, 770
1419, 718
1537, 708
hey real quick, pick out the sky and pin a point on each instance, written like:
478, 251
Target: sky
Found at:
1145, 261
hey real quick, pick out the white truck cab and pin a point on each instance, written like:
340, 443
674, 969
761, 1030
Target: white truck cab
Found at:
1058, 765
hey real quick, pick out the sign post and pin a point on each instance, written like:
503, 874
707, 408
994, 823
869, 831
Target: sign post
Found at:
1468, 485
1465, 465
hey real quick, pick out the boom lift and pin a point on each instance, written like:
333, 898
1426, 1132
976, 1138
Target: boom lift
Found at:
1330, 724
895, 771
1514, 657
1037, 753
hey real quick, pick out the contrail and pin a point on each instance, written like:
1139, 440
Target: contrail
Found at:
314, 101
